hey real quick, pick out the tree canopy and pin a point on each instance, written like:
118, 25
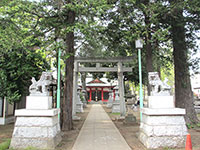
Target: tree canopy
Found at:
20, 55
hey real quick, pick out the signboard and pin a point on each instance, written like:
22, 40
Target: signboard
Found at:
1, 107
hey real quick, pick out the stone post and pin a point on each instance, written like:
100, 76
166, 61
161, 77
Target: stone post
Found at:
79, 104
121, 90
110, 99
84, 92
75, 81
116, 103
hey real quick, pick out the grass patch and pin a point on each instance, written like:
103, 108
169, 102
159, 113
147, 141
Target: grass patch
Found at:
30, 148
115, 113
167, 148
5, 145
192, 126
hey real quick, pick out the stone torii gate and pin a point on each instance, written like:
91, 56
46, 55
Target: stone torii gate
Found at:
120, 69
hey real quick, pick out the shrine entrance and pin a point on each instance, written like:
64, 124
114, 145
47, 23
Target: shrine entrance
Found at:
98, 90
79, 66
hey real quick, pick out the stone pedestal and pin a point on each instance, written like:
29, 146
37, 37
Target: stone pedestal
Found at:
130, 118
79, 107
79, 104
37, 128
84, 99
110, 100
116, 106
162, 127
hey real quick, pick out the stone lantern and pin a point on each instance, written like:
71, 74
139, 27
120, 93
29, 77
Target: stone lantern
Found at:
84, 100
79, 104
116, 103
110, 99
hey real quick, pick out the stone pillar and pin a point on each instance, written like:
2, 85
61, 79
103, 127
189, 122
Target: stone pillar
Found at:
116, 103
121, 90
110, 99
79, 104
84, 92
75, 81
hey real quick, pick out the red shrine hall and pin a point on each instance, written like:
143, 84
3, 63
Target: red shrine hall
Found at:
98, 90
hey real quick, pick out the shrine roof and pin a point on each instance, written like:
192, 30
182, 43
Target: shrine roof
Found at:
96, 81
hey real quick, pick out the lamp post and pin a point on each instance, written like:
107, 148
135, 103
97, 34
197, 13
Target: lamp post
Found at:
139, 46
58, 80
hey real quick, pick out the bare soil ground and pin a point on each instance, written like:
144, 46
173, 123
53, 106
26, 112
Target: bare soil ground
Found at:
6, 132
128, 131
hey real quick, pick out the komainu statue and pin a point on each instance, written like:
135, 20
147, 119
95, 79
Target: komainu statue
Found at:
158, 88
42, 86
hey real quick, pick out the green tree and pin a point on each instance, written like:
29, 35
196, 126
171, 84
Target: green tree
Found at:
20, 57
183, 92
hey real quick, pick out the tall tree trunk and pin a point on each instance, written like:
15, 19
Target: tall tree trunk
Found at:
68, 88
149, 60
183, 92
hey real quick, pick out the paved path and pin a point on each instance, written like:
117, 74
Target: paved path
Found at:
99, 133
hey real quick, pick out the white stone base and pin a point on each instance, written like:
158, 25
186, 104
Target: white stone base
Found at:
39, 143
42, 132
37, 113
116, 107
79, 107
163, 128
39, 102
162, 142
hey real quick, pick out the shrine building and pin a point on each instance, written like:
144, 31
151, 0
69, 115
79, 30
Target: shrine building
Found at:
98, 89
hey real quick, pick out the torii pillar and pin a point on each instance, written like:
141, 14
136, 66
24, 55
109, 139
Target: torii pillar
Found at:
121, 89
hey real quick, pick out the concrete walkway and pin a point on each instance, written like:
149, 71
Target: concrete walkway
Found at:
99, 133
